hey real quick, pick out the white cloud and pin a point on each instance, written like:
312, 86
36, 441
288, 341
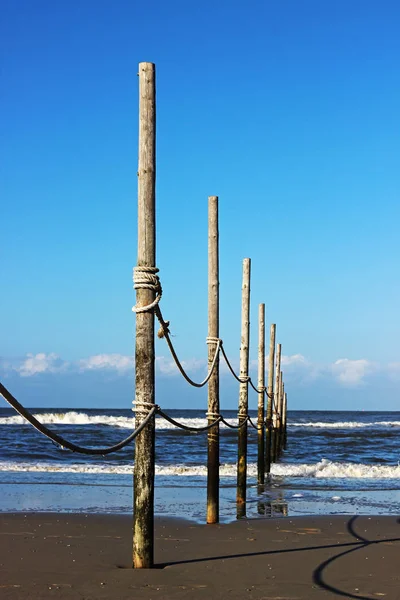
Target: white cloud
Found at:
41, 363
297, 368
166, 366
352, 372
117, 362
294, 360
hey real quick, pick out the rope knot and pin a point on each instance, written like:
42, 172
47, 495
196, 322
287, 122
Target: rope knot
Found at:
142, 407
213, 340
146, 278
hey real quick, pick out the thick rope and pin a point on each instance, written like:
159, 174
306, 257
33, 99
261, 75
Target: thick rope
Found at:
255, 426
166, 334
239, 379
256, 389
187, 427
147, 278
239, 426
58, 439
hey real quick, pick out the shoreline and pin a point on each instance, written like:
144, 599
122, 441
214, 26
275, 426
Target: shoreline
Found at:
84, 495
88, 556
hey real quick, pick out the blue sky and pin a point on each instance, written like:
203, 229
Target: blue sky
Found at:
287, 110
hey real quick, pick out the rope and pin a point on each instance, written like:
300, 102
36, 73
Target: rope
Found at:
142, 276
58, 439
187, 427
239, 426
140, 406
166, 334
239, 379
246, 379
256, 389
255, 426
145, 278
154, 409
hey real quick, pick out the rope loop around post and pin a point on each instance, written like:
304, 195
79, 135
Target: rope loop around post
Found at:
142, 407
213, 340
147, 278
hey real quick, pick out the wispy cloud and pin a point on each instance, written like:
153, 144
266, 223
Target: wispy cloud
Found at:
297, 368
41, 363
117, 362
352, 372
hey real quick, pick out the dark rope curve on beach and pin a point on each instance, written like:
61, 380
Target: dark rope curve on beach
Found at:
59, 440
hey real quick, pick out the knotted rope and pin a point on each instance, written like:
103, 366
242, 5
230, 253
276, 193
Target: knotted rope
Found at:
146, 278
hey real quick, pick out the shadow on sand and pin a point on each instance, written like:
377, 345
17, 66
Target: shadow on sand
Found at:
318, 575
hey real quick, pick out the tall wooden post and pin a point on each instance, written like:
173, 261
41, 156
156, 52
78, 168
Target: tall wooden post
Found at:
270, 393
278, 430
243, 392
285, 422
143, 514
275, 416
261, 394
281, 417
213, 383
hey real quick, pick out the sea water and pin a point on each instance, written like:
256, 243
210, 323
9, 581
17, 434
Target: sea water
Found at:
335, 462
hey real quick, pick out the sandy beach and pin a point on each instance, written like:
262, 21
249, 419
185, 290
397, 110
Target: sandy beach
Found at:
88, 557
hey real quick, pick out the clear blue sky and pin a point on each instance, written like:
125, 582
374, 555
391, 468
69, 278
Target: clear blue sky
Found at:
288, 110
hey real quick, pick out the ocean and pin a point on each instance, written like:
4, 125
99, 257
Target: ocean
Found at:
335, 462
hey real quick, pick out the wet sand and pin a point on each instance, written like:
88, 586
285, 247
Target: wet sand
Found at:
88, 557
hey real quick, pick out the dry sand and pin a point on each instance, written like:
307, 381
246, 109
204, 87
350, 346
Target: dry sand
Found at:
88, 557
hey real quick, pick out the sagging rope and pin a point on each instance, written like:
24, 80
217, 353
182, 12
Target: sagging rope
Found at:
147, 278
63, 443
58, 439
165, 333
188, 427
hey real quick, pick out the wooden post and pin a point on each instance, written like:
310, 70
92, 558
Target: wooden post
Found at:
270, 392
278, 436
143, 514
213, 383
285, 422
278, 418
282, 418
261, 394
243, 393
276, 401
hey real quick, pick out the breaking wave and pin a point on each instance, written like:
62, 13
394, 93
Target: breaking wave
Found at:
82, 418
322, 469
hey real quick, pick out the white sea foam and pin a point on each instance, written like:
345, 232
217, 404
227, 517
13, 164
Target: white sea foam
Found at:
322, 469
347, 424
82, 418
73, 418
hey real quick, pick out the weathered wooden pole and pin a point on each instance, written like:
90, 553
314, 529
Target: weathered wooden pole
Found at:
285, 422
279, 418
275, 415
243, 392
213, 383
281, 428
270, 393
261, 395
278, 438
143, 514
